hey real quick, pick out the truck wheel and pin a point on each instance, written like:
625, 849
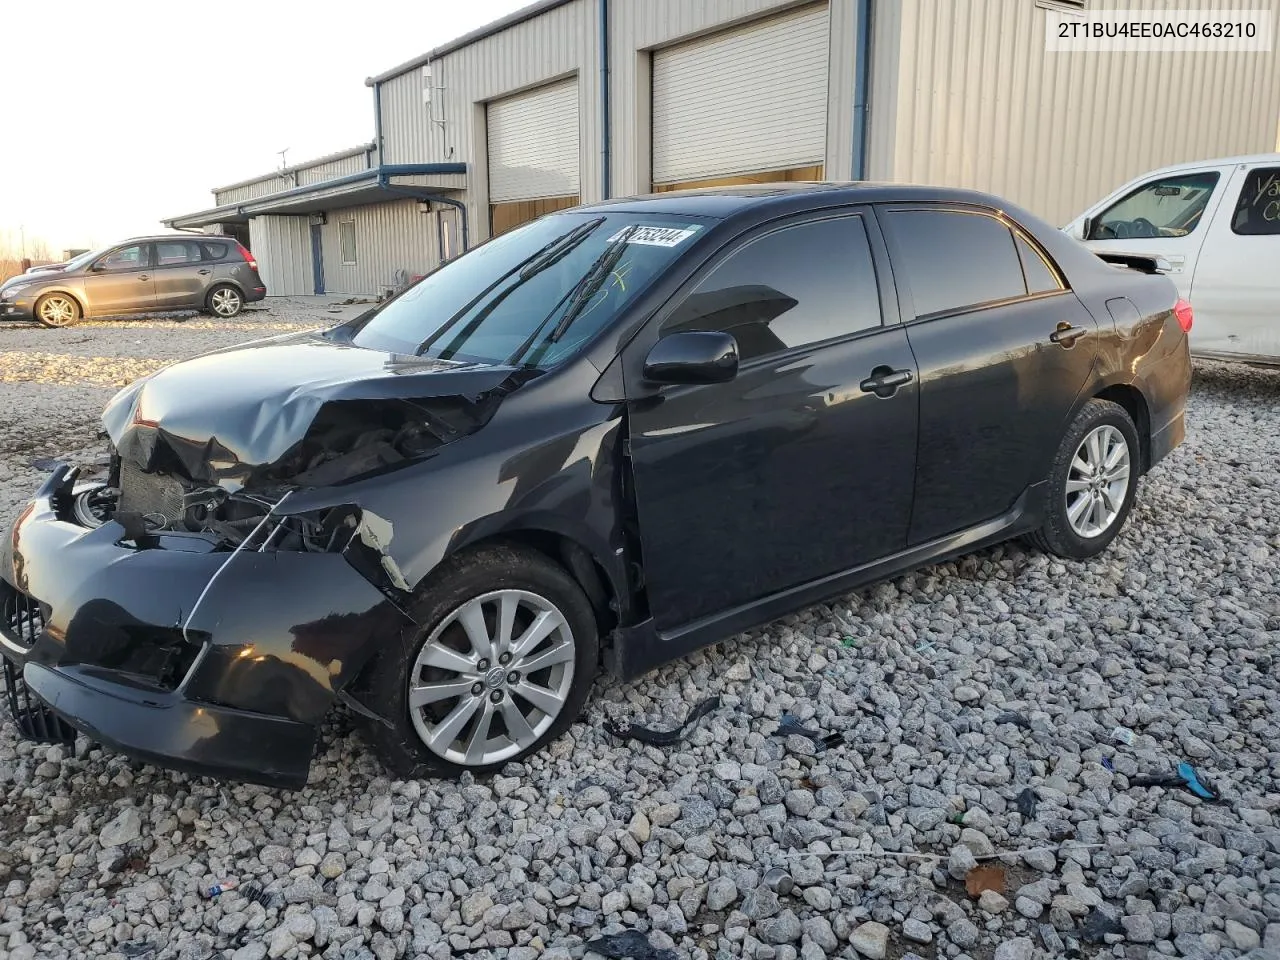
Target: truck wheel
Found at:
501, 666
1092, 482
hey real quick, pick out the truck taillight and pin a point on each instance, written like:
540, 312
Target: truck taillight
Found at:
1182, 310
248, 257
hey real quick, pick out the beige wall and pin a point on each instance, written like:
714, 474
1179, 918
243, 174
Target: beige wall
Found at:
389, 237
971, 99
559, 44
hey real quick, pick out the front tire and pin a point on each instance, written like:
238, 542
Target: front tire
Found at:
1092, 483
224, 301
56, 310
501, 666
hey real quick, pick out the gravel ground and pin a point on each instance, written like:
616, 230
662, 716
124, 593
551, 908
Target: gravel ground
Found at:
955, 689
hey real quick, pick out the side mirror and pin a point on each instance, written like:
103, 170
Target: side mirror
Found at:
1086, 227
693, 356
97, 268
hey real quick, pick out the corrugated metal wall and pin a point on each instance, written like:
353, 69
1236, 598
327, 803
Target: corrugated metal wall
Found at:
282, 246
389, 237
639, 26
251, 191
978, 103
559, 44
334, 168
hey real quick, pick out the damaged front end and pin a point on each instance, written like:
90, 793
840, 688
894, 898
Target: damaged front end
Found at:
173, 603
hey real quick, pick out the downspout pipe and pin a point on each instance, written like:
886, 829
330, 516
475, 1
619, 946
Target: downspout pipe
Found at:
385, 184
861, 84
606, 136
377, 122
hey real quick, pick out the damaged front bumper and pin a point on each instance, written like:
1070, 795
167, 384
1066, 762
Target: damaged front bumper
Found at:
172, 649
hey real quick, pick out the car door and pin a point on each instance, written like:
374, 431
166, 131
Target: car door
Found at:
799, 467
1236, 288
1167, 216
181, 274
1004, 350
122, 281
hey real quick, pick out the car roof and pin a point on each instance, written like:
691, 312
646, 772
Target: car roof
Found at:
726, 201
174, 236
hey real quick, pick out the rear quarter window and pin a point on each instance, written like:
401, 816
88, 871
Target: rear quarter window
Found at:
215, 251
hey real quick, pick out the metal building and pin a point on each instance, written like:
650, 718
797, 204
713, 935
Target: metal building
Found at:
570, 101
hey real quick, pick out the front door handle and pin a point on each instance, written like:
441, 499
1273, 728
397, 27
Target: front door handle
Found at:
1066, 334
142, 278
204, 273
885, 381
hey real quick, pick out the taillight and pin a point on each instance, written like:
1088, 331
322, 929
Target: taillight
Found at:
248, 257
1182, 310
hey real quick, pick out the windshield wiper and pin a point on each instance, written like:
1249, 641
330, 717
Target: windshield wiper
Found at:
545, 256
578, 296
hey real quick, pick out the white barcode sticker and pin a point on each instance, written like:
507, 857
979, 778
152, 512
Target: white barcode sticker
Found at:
655, 236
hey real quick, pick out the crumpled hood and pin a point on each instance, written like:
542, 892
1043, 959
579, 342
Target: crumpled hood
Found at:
226, 413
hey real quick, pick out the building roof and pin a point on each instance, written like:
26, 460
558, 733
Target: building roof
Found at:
307, 165
497, 26
373, 185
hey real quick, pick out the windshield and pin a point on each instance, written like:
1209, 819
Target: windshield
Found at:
531, 297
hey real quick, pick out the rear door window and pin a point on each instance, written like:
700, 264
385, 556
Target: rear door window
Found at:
214, 251
1169, 207
1041, 278
173, 253
955, 259
1257, 211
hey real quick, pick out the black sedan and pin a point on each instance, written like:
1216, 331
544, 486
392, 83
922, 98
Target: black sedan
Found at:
600, 441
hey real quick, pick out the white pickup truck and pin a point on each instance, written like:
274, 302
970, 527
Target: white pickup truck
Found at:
1216, 226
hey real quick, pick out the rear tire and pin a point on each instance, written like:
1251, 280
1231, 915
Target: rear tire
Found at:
224, 301
1092, 483
470, 711
57, 310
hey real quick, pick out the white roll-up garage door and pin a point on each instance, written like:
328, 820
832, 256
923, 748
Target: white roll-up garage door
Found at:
533, 144
749, 99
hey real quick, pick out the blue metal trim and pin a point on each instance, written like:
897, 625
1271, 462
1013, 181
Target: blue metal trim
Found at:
377, 123
862, 80
606, 186
375, 174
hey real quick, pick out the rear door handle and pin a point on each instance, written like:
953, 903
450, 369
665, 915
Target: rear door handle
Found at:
205, 273
1066, 334
885, 381
144, 277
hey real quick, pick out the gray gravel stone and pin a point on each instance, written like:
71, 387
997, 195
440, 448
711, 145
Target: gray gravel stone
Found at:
870, 939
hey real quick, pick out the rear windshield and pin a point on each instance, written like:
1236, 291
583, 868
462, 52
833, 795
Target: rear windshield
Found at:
531, 297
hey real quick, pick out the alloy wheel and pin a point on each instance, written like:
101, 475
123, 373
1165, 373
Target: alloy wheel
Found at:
225, 302
1098, 481
57, 311
492, 678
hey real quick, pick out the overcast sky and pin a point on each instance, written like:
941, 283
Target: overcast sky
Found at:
118, 114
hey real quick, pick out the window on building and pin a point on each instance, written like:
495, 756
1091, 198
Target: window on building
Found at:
1168, 207
954, 260
170, 253
1257, 210
793, 287
347, 240
126, 258
1041, 278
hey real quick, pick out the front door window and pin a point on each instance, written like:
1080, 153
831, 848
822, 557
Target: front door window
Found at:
1169, 207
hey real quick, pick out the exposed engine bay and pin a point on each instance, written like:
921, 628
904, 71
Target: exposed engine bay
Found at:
348, 440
